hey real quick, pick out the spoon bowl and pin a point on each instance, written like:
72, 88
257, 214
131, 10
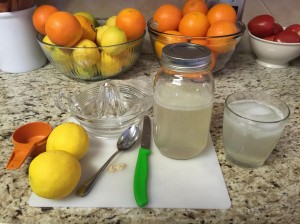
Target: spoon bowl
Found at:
128, 138
126, 141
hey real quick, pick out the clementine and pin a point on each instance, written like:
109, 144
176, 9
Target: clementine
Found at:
221, 12
213, 60
194, 24
194, 6
219, 39
200, 41
88, 30
132, 22
40, 15
63, 29
166, 17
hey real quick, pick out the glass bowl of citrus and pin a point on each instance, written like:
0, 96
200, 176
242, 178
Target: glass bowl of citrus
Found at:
216, 27
89, 49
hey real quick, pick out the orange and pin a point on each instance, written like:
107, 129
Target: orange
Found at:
200, 41
194, 6
164, 39
221, 28
166, 17
132, 22
213, 60
222, 43
63, 29
221, 12
194, 24
40, 15
88, 30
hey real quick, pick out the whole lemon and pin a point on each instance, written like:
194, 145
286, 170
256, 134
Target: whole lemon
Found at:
70, 137
109, 65
54, 174
86, 53
113, 36
111, 21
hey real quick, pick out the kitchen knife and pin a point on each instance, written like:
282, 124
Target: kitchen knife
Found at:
142, 166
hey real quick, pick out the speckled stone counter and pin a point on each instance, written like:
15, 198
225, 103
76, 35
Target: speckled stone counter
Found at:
269, 194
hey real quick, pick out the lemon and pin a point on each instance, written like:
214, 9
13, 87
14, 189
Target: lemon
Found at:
86, 53
109, 65
61, 57
111, 21
113, 36
86, 72
70, 137
100, 30
47, 40
54, 174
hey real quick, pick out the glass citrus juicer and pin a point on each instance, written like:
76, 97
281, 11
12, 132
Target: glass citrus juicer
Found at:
108, 107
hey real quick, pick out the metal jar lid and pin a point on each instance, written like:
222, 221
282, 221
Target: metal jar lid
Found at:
185, 56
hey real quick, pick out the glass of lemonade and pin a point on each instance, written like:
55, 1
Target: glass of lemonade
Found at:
252, 125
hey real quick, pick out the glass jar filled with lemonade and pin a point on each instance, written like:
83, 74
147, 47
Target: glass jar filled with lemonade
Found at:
183, 100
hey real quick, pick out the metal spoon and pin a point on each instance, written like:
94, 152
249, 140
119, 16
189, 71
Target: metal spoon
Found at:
125, 142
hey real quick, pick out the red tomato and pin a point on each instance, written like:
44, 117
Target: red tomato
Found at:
277, 28
295, 28
287, 36
270, 38
261, 26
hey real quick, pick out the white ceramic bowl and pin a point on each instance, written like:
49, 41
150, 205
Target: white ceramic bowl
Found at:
273, 54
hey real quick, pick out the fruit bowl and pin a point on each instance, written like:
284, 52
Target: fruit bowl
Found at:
222, 47
93, 63
273, 54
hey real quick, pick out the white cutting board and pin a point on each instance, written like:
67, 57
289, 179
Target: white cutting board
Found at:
196, 183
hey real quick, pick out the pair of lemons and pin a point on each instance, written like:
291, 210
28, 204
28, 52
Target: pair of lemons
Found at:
56, 172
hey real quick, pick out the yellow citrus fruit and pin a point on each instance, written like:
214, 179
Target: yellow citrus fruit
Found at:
47, 40
59, 55
113, 36
69, 137
85, 72
86, 53
54, 174
100, 30
109, 65
111, 21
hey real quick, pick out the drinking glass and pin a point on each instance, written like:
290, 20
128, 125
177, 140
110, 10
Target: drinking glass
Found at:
253, 123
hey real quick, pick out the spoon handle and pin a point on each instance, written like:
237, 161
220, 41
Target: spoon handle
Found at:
85, 188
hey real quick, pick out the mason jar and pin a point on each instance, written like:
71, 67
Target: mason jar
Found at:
183, 101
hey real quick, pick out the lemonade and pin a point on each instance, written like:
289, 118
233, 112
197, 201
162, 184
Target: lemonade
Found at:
181, 121
251, 130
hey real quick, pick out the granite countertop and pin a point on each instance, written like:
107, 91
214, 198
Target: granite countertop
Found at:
269, 194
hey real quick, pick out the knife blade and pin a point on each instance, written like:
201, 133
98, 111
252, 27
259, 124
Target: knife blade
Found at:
142, 166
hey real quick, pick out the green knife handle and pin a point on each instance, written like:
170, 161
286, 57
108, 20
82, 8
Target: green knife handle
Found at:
141, 177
